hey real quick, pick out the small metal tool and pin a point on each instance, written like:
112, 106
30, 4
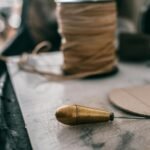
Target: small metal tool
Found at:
76, 114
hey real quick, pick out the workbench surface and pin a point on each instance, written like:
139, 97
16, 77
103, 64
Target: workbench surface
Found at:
39, 98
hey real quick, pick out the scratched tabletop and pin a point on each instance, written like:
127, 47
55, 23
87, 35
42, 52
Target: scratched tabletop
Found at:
38, 99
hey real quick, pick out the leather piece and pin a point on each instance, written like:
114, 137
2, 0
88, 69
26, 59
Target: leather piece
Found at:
134, 100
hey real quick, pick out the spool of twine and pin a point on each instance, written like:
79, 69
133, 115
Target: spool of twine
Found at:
88, 41
88, 37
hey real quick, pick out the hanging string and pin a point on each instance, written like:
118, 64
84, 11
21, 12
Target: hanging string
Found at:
88, 36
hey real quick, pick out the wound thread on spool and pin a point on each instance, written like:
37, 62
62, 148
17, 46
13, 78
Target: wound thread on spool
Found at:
88, 40
88, 36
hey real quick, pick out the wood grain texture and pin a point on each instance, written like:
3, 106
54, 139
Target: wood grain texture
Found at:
39, 99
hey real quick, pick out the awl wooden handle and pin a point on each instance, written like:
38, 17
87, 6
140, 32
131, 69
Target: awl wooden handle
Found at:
76, 114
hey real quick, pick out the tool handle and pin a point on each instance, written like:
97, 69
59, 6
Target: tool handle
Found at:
76, 114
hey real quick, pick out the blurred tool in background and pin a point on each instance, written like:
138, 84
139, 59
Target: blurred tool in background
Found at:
133, 30
44, 25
